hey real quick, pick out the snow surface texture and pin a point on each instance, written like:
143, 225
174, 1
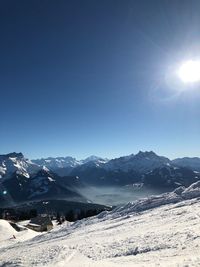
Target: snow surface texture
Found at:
7, 232
161, 230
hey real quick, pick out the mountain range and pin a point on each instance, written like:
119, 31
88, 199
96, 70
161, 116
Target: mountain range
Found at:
22, 179
140, 162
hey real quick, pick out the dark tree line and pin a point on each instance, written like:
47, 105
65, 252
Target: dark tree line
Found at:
18, 215
72, 216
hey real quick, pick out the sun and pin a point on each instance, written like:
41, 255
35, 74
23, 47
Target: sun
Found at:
189, 71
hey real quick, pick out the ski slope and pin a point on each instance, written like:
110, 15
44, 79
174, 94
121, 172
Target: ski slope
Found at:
7, 232
159, 231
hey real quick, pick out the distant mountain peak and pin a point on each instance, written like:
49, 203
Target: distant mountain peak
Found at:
91, 158
13, 155
146, 154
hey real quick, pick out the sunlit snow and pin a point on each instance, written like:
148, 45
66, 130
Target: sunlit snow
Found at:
157, 231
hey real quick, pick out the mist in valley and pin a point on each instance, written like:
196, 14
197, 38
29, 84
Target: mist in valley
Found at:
118, 195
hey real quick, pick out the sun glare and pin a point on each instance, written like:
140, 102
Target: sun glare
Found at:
189, 71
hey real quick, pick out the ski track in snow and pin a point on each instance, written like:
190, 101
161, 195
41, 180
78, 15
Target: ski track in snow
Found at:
165, 236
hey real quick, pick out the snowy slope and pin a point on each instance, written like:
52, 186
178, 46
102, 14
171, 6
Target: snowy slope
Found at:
7, 232
159, 231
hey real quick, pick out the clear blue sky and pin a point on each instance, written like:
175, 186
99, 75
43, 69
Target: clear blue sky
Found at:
96, 77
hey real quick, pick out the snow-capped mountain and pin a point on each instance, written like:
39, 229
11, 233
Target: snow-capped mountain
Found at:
98, 170
64, 165
95, 159
120, 171
145, 167
161, 230
90, 169
42, 185
58, 162
141, 162
16, 162
192, 163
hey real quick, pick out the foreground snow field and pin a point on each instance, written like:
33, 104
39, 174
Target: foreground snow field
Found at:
142, 233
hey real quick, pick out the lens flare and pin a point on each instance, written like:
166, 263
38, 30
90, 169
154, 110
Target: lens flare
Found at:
189, 71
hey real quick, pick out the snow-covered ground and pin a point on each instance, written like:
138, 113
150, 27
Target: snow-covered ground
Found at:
7, 232
158, 231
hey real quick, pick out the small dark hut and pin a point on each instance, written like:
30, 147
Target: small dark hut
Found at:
40, 223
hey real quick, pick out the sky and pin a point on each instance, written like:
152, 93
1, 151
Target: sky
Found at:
98, 77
